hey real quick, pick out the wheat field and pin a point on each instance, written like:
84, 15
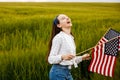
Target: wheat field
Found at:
25, 30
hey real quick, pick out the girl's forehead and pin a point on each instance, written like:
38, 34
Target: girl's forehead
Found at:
61, 16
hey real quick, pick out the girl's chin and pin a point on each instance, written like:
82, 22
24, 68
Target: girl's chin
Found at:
70, 25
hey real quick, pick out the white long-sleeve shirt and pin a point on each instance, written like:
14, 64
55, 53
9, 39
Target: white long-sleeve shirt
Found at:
63, 43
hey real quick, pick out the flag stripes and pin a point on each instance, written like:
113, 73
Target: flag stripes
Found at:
103, 40
104, 54
102, 63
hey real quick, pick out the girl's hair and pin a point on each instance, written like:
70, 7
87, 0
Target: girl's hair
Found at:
55, 30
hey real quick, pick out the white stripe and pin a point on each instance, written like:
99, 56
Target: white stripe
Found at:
93, 59
108, 64
97, 59
101, 59
111, 67
104, 64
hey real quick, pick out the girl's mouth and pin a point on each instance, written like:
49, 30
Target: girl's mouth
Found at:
68, 22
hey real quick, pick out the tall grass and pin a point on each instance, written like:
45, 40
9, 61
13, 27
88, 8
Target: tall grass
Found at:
25, 31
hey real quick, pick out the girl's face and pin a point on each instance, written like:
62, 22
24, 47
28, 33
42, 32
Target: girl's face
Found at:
64, 21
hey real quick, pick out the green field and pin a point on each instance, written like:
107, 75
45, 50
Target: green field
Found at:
25, 32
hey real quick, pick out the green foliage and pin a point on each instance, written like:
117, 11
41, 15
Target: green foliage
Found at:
25, 30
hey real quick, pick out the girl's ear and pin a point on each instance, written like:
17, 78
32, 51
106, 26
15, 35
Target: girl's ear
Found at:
58, 25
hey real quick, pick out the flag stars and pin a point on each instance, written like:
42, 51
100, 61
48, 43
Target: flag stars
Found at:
111, 47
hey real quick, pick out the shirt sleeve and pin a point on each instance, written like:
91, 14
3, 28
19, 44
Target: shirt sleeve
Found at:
78, 59
55, 57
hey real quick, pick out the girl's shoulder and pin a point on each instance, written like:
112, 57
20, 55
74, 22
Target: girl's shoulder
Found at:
58, 36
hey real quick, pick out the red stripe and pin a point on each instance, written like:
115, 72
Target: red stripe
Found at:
114, 67
102, 59
119, 45
100, 42
95, 59
110, 66
94, 53
99, 58
92, 59
103, 39
102, 64
106, 66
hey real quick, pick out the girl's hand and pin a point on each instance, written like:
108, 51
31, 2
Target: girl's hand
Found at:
86, 57
67, 56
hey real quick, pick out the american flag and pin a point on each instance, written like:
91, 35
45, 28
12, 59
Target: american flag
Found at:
104, 54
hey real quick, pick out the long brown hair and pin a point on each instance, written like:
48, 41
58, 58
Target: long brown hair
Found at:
55, 30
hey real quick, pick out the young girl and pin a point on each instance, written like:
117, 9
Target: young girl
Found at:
62, 49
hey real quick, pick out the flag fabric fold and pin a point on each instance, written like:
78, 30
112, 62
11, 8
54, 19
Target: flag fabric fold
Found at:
104, 54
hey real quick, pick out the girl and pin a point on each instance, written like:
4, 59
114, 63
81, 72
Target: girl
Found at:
62, 49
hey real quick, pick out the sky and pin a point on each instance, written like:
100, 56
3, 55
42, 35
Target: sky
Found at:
59, 0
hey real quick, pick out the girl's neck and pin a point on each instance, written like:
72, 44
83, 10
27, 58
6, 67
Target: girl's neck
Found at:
66, 30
